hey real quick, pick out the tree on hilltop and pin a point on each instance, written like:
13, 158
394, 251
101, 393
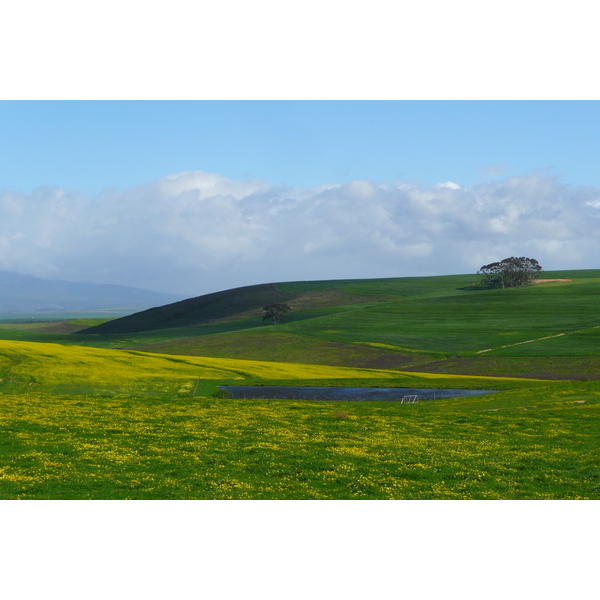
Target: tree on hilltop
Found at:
510, 272
275, 311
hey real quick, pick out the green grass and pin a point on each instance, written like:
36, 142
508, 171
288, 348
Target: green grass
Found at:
386, 323
81, 419
54, 368
38, 333
415, 322
274, 345
462, 323
537, 367
90, 447
202, 309
130, 426
436, 324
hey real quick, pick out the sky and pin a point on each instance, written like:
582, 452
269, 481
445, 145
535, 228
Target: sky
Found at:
91, 146
190, 151
196, 196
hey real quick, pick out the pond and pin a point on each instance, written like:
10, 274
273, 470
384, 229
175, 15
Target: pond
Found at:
344, 393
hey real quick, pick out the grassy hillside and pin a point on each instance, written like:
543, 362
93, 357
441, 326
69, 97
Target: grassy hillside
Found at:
306, 296
193, 311
97, 420
442, 324
55, 368
436, 324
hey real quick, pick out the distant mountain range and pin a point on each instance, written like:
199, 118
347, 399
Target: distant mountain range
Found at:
25, 293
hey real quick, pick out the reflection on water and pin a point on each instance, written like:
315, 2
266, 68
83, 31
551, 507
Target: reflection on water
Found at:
343, 393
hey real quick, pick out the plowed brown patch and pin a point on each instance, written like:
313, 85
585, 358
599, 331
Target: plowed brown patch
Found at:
549, 280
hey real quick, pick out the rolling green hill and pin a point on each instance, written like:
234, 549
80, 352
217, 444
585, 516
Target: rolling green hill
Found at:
194, 311
89, 415
236, 304
446, 324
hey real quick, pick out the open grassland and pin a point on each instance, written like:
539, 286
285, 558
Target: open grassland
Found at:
81, 422
275, 345
443, 324
92, 416
61, 333
72, 369
467, 323
437, 324
80, 446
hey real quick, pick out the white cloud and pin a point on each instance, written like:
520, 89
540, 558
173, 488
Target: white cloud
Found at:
197, 232
450, 185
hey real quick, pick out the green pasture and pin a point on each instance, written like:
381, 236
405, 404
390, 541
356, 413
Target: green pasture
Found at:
47, 333
534, 444
139, 415
392, 323
462, 323
442, 324
442, 317
95, 423
56, 368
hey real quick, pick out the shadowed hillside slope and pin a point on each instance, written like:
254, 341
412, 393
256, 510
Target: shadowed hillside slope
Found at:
202, 309
248, 301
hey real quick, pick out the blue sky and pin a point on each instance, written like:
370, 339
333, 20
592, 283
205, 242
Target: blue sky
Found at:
196, 196
89, 146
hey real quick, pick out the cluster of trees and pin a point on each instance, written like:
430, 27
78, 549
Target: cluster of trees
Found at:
510, 272
275, 311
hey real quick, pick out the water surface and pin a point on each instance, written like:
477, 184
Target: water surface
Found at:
344, 393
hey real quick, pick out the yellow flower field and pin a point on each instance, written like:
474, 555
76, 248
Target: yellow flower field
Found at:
61, 446
54, 367
80, 422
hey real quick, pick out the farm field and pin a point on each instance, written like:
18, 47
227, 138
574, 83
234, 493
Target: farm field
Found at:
438, 324
534, 444
138, 414
433, 324
53, 368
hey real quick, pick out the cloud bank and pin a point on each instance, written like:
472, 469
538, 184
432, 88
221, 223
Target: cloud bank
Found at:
196, 232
